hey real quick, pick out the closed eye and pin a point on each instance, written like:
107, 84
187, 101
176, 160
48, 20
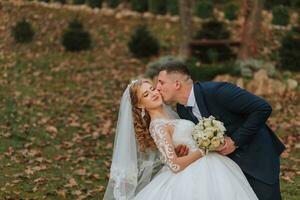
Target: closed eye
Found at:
146, 93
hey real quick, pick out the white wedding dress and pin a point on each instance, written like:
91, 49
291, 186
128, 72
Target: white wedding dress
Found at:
212, 177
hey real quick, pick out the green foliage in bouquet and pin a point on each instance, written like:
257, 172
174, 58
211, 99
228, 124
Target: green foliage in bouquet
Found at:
139, 5
142, 43
289, 52
95, 3
230, 11
204, 9
280, 16
214, 30
158, 6
78, 2
46, 1
75, 38
22, 32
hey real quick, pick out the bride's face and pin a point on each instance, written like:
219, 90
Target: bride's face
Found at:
149, 97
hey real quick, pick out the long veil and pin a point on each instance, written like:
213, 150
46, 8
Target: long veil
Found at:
130, 168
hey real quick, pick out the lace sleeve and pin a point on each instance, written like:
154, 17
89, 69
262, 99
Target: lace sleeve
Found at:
163, 141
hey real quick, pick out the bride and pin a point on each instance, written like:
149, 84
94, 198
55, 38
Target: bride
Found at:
146, 126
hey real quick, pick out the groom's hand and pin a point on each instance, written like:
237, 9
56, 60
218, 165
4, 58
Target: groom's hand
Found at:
228, 147
181, 150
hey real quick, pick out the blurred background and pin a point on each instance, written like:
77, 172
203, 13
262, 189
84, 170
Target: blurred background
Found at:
65, 63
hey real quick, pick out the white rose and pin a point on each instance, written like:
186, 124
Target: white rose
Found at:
214, 129
198, 135
210, 134
215, 142
217, 123
220, 134
211, 129
221, 128
207, 124
204, 137
205, 143
212, 117
222, 139
201, 128
194, 136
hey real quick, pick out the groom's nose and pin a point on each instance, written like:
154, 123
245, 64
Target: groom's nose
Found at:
158, 86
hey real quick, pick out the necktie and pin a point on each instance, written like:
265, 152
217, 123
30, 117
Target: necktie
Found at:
190, 111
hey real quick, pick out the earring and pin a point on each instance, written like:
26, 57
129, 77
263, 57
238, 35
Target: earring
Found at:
143, 112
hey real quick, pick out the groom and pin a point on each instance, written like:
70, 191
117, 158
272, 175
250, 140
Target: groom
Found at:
250, 142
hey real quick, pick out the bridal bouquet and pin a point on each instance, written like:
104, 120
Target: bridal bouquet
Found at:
209, 133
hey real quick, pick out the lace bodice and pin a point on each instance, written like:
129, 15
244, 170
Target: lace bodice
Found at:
182, 134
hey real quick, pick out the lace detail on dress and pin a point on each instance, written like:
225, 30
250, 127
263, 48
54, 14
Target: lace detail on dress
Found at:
163, 142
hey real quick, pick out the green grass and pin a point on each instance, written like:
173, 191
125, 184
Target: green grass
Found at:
25, 118
290, 189
39, 103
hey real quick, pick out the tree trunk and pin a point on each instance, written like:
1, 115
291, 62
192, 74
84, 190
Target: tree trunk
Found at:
253, 16
186, 19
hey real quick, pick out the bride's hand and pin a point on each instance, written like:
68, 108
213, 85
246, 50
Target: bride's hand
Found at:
181, 150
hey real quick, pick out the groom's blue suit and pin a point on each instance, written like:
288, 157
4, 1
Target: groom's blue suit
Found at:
244, 116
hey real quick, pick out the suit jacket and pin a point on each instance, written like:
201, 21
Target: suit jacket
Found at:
244, 116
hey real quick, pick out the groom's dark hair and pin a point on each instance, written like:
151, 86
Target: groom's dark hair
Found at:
176, 67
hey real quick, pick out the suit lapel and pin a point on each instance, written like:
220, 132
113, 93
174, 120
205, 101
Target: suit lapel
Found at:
199, 96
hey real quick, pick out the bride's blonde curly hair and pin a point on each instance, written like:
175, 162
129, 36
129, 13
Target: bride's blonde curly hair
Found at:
141, 124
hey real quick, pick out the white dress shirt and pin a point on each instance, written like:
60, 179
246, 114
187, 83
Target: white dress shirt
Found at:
192, 103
